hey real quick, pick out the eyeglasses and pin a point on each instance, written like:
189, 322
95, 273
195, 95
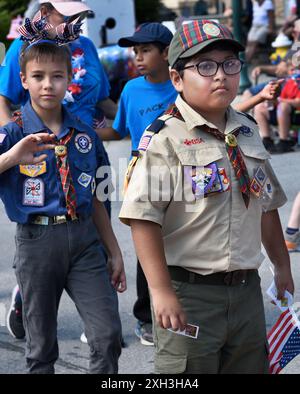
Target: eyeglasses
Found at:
209, 68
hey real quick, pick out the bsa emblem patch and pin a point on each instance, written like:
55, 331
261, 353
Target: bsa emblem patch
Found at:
34, 192
84, 179
83, 143
246, 131
211, 30
33, 170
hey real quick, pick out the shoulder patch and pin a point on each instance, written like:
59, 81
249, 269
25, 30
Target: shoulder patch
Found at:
156, 126
250, 117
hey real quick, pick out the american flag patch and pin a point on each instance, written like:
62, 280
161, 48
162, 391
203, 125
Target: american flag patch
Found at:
145, 141
2, 137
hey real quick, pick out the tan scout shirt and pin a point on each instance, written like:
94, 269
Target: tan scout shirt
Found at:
204, 234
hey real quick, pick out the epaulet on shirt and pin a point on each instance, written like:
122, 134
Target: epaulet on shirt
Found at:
250, 117
154, 128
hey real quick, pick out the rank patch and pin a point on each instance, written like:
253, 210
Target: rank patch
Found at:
34, 192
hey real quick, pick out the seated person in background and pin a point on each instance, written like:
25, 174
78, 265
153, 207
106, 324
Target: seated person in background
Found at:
263, 24
269, 92
292, 233
284, 114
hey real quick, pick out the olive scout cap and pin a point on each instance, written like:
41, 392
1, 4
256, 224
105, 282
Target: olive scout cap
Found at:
194, 36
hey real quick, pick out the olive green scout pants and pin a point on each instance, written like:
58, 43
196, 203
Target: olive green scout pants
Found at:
232, 331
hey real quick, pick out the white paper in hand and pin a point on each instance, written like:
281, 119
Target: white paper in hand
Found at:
283, 304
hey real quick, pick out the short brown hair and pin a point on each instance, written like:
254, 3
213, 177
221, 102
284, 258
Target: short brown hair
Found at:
44, 51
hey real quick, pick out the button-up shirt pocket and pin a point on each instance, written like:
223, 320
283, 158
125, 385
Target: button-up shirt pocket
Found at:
84, 180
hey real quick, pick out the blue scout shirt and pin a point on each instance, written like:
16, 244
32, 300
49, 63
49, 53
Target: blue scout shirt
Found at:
140, 104
37, 190
89, 84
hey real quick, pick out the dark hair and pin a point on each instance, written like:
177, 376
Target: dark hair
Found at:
43, 52
159, 45
218, 45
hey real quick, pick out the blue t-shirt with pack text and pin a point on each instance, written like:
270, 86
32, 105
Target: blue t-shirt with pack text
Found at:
140, 104
89, 83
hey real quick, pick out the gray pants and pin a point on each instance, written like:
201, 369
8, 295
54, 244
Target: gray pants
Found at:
66, 256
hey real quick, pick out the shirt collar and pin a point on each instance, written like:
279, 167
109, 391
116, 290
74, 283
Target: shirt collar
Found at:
194, 119
32, 123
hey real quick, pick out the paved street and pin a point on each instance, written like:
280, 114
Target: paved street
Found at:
135, 357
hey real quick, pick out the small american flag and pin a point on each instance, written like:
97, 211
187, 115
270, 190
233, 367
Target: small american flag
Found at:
284, 341
145, 141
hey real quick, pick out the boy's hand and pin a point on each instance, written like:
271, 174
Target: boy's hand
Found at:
117, 273
24, 151
167, 309
256, 73
283, 281
272, 90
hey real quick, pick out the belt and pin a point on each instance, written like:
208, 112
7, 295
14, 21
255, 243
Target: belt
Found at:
233, 278
46, 220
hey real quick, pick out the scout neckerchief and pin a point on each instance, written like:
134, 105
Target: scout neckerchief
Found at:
62, 162
233, 151
61, 154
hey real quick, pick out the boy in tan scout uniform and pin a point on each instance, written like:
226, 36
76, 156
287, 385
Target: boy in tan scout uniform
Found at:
201, 199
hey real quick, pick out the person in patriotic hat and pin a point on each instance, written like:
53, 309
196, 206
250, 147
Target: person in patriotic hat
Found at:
87, 96
57, 206
201, 198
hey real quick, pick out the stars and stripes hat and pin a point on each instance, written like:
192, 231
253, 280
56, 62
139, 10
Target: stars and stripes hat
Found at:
196, 35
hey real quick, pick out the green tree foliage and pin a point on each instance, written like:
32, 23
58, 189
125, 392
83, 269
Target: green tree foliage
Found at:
8, 10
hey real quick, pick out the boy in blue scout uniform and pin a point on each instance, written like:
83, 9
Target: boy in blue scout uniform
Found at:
142, 101
60, 221
87, 93
201, 199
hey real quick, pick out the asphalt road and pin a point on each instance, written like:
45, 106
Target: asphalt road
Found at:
135, 358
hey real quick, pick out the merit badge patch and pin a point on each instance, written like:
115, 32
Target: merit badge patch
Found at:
2, 138
33, 170
145, 141
83, 143
34, 192
246, 131
258, 182
84, 179
211, 30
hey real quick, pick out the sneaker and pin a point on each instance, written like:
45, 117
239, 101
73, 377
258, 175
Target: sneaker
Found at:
83, 339
292, 241
283, 146
14, 320
144, 332
268, 143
